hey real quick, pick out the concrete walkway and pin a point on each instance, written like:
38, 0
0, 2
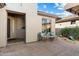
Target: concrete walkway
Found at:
41, 48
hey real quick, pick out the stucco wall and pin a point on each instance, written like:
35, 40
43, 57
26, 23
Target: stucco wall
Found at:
33, 23
77, 23
62, 25
20, 7
66, 24
53, 25
3, 27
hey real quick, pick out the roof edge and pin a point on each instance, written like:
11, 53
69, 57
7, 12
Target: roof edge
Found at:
41, 13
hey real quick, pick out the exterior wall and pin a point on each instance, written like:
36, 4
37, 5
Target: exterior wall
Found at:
3, 27
53, 25
33, 23
20, 7
62, 25
66, 24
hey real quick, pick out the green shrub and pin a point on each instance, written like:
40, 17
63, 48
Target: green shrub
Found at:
65, 32
74, 32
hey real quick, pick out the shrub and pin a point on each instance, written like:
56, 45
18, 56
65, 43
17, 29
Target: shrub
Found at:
65, 32
74, 32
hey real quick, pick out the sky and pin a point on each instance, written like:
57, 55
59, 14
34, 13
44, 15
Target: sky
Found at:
54, 8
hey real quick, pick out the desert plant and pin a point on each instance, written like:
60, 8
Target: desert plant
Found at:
67, 32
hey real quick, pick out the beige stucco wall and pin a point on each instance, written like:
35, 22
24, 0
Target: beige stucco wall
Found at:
77, 23
33, 23
20, 7
66, 24
62, 25
3, 27
53, 25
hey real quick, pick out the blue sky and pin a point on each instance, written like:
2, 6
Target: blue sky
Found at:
54, 8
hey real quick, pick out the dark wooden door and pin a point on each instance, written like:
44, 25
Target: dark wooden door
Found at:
8, 28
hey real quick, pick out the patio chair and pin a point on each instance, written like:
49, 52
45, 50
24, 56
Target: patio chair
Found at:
51, 36
41, 36
46, 36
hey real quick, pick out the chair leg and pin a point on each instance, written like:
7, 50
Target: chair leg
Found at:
51, 39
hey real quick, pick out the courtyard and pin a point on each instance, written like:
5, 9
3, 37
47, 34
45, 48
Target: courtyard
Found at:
57, 47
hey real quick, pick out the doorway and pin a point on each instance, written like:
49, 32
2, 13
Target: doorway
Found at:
16, 28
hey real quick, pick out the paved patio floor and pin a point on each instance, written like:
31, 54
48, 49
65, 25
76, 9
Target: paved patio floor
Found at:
41, 48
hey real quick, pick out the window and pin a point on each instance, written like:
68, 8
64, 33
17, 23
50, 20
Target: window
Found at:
44, 20
21, 4
73, 22
46, 25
